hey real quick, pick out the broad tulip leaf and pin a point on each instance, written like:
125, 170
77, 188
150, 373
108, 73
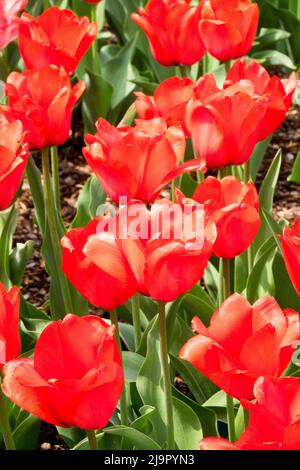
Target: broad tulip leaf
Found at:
25, 435
18, 260
295, 175
138, 439
97, 99
131, 364
91, 198
273, 57
258, 156
187, 426
285, 293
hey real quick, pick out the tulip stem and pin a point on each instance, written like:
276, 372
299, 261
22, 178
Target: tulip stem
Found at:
230, 418
94, 48
4, 423
183, 71
227, 67
247, 177
164, 357
136, 320
123, 398
55, 174
91, 435
53, 229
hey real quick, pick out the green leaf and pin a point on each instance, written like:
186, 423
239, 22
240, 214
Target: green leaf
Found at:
258, 156
295, 175
269, 36
273, 57
10, 216
91, 197
131, 364
26, 433
138, 439
18, 260
285, 293
142, 422
96, 101
188, 431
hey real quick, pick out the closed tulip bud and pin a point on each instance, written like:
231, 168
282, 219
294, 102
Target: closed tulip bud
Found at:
168, 102
43, 101
242, 343
274, 418
172, 29
75, 377
13, 159
137, 162
9, 21
290, 244
56, 37
228, 29
234, 207
10, 342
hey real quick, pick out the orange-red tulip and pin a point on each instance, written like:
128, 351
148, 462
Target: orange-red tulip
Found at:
55, 37
172, 29
137, 162
13, 159
75, 377
169, 102
43, 101
9, 20
274, 418
224, 124
157, 253
278, 92
234, 207
243, 342
290, 244
10, 343
228, 29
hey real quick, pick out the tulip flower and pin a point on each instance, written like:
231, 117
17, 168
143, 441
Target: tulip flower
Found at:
10, 343
168, 102
274, 418
228, 29
242, 343
75, 377
13, 159
43, 101
137, 162
9, 20
156, 253
55, 37
172, 29
234, 207
279, 93
290, 244
224, 124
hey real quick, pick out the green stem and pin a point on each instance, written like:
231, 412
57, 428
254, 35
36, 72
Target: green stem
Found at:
230, 418
91, 435
173, 190
123, 398
246, 417
164, 357
183, 71
4, 423
55, 239
46, 4
55, 176
136, 320
227, 67
94, 48
247, 177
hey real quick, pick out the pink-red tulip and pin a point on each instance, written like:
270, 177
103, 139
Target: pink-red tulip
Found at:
75, 377
224, 124
10, 342
290, 244
172, 29
243, 342
274, 418
9, 20
13, 159
137, 162
169, 102
234, 207
278, 92
228, 29
55, 37
43, 101
157, 253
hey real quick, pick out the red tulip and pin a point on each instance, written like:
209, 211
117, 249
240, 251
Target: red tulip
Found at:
9, 20
228, 29
274, 418
137, 162
278, 92
107, 283
13, 159
224, 124
172, 29
75, 377
290, 244
169, 102
156, 253
55, 37
242, 343
43, 101
234, 207
10, 343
